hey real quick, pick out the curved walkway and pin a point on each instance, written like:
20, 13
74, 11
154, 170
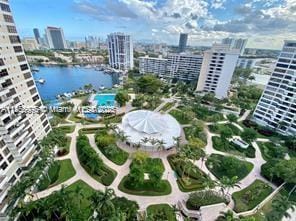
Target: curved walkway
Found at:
144, 201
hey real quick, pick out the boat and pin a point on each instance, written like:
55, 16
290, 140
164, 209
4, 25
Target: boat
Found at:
41, 81
102, 87
34, 69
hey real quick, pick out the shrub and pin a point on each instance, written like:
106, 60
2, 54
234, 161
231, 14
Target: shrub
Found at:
204, 198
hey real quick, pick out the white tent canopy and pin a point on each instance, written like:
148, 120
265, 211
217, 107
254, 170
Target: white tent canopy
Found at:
141, 124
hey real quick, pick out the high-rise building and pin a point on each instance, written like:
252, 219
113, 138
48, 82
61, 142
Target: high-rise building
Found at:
277, 105
217, 69
150, 65
55, 38
239, 44
184, 67
183, 42
19, 130
120, 48
92, 42
37, 35
30, 44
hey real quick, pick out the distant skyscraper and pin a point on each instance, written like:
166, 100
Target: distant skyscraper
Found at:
277, 105
19, 130
55, 38
37, 35
217, 69
239, 44
183, 42
91, 42
120, 48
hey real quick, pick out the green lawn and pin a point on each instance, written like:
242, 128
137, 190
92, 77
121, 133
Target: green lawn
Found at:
67, 145
188, 180
228, 166
217, 128
250, 197
67, 129
229, 147
59, 172
93, 130
161, 212
146, 188
107, 145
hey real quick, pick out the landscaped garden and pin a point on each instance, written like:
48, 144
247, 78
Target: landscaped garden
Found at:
161, 212
204, 198
92, 163
182, 116
228, 166
271, 151
67, 129
218, 128
229, 147
58, 172
107, 145
167, 106
145, 177
250, 197
190, 177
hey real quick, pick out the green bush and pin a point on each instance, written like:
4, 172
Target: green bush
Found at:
251, 196
67, 129
204, 198
53, 174
229, 147
270, 150
161, 212
217, 128
92, 163
228, 166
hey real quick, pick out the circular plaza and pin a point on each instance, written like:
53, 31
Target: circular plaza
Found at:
149, 128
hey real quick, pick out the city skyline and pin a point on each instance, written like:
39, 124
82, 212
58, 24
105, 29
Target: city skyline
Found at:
265, 23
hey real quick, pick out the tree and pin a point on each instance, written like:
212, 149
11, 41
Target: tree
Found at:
249, 135
290, 142
155, 175
177, 141
136, 174
232, 118
226, 133
227, 216
140, 156
228, 183
121, 98
148, 84
280, 207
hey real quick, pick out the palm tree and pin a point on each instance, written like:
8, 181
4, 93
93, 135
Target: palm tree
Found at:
177, 140
102, 203
208, 183
282, 204
227, 216
137, 145
229, 183
145, 140
80, 195
160, 145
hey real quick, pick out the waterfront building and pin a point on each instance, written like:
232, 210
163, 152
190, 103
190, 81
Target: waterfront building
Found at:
150, 65
37, 35
30, 44
19, 131
183, 42
239, 44
217, 69
277, 105
55, 38
120, 48
182, 66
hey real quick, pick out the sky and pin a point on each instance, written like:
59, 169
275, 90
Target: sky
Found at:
266, 23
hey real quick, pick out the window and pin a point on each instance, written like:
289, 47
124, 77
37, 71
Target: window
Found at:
35, 98
18, 172
4, 166
21, 58
3, 73
14, 39
10, 158
8, 18
27, 75
33, 91
1, 62
24, 67
4, 7
30, 83
17, 49
11, 29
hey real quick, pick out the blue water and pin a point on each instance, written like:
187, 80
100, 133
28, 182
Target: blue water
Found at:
59, 80
105, 99
91, 115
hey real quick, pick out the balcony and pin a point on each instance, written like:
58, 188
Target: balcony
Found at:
12, 122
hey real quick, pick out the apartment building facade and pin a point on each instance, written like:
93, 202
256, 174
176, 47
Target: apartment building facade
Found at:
19, 130
120, 48
217, 69
239, 44
55, 38
185, 67
277, 105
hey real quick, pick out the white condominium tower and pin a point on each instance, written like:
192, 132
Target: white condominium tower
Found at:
150, 65
217, 69
55, 38
19, 131
120, 47
277, 105
239, 44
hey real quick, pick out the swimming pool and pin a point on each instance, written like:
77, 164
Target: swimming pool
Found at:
105, 99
